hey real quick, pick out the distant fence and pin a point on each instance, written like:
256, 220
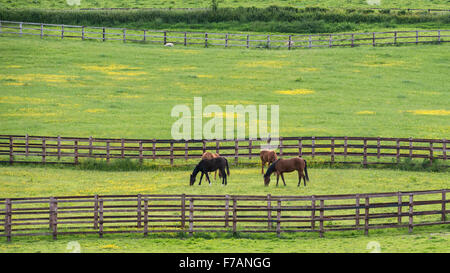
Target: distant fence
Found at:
368, 150
206, 39
148, 214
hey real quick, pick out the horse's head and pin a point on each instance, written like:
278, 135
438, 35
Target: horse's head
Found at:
192, 180
266, 180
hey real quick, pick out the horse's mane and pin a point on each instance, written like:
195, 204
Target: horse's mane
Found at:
271, 168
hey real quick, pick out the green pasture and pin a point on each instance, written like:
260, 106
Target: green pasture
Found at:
73, 88
67, 4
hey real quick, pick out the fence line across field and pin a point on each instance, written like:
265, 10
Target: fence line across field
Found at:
368, 150
206, 39
152, 213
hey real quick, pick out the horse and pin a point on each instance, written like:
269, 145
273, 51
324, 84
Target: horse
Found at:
210, 165
209, 155
267, 157
288, 165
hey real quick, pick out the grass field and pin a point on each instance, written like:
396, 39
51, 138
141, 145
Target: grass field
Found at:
74, 88
128, 90
64, 4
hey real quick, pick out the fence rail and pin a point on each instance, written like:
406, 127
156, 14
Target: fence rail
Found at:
148, 213
368, 150
206, 39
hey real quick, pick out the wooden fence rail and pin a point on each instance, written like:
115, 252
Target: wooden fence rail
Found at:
148, 213
332, 150
206, 39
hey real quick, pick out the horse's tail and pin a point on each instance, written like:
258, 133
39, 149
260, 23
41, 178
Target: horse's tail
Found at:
306, 171
228, 169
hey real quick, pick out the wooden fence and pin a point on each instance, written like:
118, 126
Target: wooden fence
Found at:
206, 39
147, 213
367, 150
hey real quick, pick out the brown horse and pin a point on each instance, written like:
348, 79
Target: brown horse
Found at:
267, 157
209, 155
287, 165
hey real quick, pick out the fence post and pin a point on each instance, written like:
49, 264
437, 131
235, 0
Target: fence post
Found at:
357, 211
227, 207
365, 153
76, 152
96, 211
217, 147
165, 37
104, 35
395, 37
268, 41
313, 140
444, 200
269, 212
107, 151
234, 215
20, 29
11, 150
8, 216
410, 148
42, 31
411, 213
62, 32
185, 39
353, 40
141, 156
278, 218
54, 217
310, 41
191, 216
366, 216
313, 212
400, 207
82, 33
332, 150
43, 150
27, 142
431, 152
373, 39
300, 146
281, 145
186, 150
122, 148
139, 213
183, 211
100, 212
236, 151
417, 37
444, 149
290, 41
206, 39
1, 29
145, 217
250, 148
322, 212
171, 153
345, 147
124, 35
144, 37
439, 36
226, 40
248, 40
378, 147
398, 151
154, 149
331, 40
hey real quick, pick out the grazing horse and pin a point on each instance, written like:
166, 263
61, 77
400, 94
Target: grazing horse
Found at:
210, 165
287, 165
209, 155
267, 157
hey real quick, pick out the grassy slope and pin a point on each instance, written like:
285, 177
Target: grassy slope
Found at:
63, 4
39, 181
115, 90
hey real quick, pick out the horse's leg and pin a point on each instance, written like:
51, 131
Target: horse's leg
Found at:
278, 178
262, 166
207, 177
282, 177
304, 178
299, 178
215, 175
201, 176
